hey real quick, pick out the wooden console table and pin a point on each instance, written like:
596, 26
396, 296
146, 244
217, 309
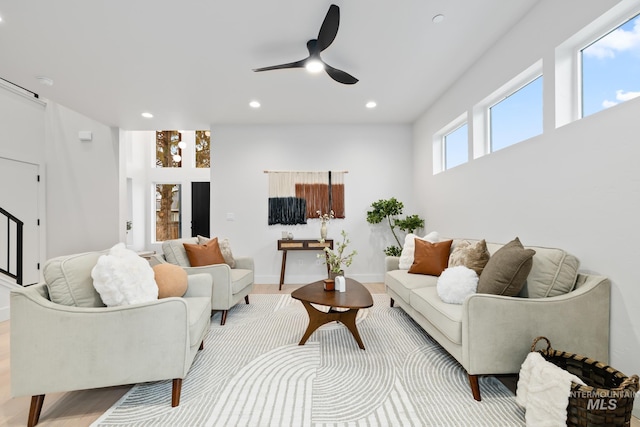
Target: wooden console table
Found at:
300, 245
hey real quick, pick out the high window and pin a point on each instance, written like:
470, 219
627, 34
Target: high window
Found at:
610, 68
203, 144
517, 117
456, 147
169, 148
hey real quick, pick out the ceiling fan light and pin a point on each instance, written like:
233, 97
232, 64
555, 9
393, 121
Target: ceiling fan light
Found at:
314, 66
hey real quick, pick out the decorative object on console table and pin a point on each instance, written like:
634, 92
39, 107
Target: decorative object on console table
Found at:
335, 260
324, 218
341, 284
291, 244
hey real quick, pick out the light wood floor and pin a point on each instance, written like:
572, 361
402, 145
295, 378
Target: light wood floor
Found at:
81, 408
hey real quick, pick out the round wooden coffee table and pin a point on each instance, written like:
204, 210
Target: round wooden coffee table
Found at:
353, 299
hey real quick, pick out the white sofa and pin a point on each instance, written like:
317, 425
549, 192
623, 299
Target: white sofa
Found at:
492, 334
230, 285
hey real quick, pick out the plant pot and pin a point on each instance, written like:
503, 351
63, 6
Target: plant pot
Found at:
333, 275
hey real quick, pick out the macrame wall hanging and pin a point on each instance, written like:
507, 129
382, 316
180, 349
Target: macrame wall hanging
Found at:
296, 196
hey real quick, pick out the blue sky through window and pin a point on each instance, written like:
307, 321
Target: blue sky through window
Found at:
456, 147
611, 68
517, 117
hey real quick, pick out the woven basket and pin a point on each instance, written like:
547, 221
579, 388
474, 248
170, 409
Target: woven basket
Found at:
606, 400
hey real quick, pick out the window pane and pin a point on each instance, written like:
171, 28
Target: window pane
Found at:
168, 149
203, 142
456, 147
517, 117
611, 68
168, 212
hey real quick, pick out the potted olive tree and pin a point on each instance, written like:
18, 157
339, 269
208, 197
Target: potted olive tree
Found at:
390, 210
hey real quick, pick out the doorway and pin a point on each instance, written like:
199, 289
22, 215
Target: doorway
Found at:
200, 209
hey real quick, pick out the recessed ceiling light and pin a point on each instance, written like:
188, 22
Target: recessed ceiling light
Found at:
147, 115
46, 81
371, 104
254, 104
438, 18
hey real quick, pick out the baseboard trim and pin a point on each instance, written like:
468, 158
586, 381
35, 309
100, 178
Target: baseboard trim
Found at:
304, 279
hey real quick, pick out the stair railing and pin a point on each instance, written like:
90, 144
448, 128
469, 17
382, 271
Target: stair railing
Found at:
17, 273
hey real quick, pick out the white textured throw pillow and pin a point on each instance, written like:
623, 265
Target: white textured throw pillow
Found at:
122, 277
406, 257
456, 283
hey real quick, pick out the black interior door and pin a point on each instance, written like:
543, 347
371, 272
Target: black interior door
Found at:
200, 209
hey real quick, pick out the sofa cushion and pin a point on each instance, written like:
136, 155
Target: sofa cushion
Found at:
175, 253
401, 282
471, 255
506, 270
240, 279
69, 280
446, 317
430, 258
207, 254
553, 273
408, 249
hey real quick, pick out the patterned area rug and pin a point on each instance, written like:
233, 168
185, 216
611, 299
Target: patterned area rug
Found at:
252, 372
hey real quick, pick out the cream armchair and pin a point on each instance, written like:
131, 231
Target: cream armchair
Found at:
63, 338
230, 285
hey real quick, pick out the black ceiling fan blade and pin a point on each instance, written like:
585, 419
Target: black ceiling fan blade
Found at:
340, 76
297, 64
329, 28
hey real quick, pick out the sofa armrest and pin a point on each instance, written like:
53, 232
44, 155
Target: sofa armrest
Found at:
102, 346
245, 263
391, 263
199, 285
497, 331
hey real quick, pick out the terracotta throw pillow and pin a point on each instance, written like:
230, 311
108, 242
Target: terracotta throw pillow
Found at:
471, 255
225, 248
171, 280
207, 254
430, 258
507, 270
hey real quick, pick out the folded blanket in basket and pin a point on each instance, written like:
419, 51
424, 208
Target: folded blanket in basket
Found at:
543, 390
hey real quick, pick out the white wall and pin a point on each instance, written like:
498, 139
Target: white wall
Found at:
81, 183
576, 187
378, 159
22, 136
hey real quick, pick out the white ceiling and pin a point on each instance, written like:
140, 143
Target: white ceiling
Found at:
190, 62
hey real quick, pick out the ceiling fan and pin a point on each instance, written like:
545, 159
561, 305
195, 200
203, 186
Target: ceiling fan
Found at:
314, 62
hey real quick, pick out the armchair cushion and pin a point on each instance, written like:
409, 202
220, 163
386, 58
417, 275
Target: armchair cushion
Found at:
121, 277
207, 254
225, 248
69, 281
175, 253
171, 280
